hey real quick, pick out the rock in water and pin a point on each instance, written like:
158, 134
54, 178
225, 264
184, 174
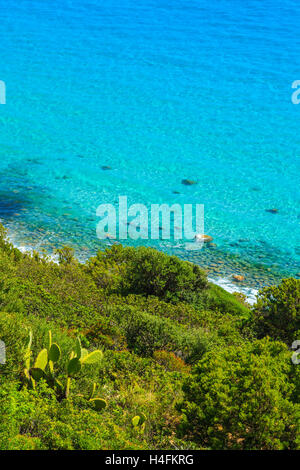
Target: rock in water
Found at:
238, 278
272, 211
188, 182
203, 238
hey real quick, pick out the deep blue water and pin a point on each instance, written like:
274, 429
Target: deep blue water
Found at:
159, 90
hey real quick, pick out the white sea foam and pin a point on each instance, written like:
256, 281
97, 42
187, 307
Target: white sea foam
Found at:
29, 249
229, 286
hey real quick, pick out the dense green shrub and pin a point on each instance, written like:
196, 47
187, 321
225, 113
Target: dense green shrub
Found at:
14, 335
146, 333
149, 272
277, 311
231, 329
239, 398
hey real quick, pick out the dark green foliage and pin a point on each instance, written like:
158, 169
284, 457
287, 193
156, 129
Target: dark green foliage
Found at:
146, 332
277, 312
240, 398
149, 272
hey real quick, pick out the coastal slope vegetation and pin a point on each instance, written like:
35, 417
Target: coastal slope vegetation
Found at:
135, 349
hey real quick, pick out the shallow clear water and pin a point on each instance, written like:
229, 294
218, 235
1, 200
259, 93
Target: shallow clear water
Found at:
159, 90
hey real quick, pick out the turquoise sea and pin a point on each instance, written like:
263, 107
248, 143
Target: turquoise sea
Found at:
159, 91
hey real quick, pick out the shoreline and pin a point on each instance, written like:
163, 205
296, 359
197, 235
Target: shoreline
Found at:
229, 286
225, 282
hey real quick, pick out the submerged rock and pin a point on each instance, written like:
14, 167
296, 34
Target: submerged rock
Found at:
187, 182
106, 167
272, 211
212, 245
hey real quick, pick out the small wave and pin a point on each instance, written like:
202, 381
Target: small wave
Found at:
30, 249
227, 285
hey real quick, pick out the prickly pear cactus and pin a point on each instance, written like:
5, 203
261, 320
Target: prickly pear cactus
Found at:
98, 403
43, 368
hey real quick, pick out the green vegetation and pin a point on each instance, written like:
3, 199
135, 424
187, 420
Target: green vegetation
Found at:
43, 368
136, 350
240, 398
277, 312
